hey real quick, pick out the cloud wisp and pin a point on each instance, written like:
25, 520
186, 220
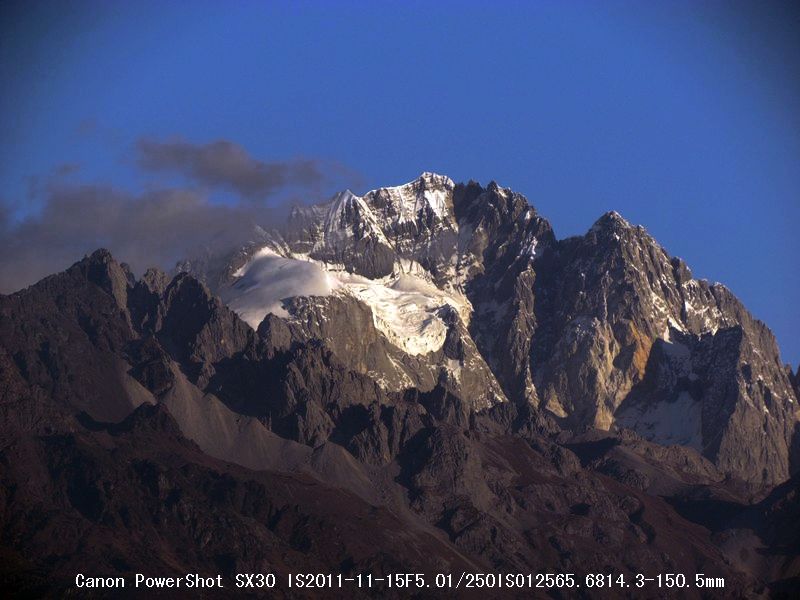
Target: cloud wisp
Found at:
158, 227
224, 164
151, 229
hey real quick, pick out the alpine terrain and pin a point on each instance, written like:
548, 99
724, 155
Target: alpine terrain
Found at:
420, 379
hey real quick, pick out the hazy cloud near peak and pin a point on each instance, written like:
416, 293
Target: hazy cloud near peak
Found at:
151, 229
160, 226
225, 164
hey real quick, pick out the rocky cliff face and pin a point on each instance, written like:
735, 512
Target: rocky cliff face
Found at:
628, 338
436, 283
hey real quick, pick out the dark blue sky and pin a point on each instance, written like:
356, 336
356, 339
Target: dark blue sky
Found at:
682, 116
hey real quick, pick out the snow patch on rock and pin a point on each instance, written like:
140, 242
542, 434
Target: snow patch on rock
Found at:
405, 305
675, 422
267, 279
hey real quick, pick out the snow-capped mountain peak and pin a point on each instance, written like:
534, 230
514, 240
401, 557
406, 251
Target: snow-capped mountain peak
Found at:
429, 197
493, 305
348, 216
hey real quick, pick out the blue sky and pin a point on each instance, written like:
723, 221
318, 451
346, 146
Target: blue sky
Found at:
682, 116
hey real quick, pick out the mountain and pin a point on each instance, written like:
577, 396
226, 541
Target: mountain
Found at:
421, 379
433, 283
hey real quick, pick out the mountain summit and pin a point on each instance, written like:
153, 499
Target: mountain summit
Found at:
433, 282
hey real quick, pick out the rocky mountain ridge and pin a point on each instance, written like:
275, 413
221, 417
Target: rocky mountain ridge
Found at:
145, 417
603, 330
